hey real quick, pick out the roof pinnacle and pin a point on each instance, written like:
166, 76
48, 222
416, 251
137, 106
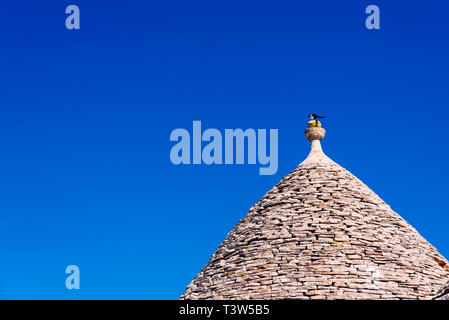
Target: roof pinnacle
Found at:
315, 133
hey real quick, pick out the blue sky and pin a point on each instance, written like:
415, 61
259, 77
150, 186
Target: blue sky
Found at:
86, 115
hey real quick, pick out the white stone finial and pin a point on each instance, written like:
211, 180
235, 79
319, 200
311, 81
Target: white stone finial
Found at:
315, 133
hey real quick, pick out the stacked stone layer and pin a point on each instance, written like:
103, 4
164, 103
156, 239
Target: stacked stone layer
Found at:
321, 233
443, 294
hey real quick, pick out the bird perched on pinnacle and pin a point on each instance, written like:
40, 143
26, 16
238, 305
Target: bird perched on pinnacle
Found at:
313, 116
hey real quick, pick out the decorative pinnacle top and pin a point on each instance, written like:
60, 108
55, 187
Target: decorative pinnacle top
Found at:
314, 131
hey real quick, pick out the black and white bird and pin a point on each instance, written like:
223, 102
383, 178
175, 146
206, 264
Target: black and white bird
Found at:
313, 116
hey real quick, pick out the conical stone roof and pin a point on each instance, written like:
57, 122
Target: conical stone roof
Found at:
321, 233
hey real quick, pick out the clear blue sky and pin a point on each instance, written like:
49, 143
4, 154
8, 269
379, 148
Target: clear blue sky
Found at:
86, 115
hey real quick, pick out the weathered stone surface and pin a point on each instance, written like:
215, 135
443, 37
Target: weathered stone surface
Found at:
443, 294
315, 133
321, 233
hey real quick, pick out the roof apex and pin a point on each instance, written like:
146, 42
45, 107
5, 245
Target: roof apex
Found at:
315, 133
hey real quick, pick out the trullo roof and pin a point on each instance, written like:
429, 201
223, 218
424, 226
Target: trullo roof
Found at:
321, 233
